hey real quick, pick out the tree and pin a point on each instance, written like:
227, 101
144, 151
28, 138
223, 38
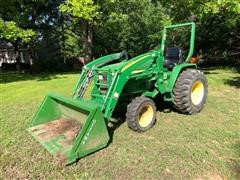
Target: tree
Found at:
9, 31
131, 25
218, 24
82, 13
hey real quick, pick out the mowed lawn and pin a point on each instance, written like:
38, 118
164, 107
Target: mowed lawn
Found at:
205, 145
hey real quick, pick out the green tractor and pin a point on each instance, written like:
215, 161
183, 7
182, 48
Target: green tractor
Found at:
71, 128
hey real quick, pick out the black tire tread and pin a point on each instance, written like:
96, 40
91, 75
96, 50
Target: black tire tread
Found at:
132, 110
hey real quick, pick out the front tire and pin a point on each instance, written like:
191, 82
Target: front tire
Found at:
190, 91
141, 114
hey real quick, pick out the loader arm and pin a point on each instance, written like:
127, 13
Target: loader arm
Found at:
141, 66
106, 59
87, 71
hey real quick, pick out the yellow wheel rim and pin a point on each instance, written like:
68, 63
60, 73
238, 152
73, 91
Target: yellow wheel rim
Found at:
197, 92
146, 116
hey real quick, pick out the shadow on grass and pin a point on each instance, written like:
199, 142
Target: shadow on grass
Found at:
8, 77
209, 72
113, 125
119, 116
235, 82
118, 119
212, 68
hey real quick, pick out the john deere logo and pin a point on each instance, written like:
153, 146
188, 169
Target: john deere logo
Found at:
89, 131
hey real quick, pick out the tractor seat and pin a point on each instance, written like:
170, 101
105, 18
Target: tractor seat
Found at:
172, 57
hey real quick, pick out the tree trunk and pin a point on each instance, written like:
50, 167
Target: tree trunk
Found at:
16, 51
31, 45
86, 38
62, 39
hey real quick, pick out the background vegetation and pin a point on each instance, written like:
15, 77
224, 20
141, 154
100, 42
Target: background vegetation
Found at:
92, 28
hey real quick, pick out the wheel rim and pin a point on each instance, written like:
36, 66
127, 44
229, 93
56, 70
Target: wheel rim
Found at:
197, 92
145, 116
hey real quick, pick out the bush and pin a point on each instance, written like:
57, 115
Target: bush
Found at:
9, 66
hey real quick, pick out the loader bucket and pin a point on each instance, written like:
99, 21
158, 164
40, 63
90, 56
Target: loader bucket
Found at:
68, 128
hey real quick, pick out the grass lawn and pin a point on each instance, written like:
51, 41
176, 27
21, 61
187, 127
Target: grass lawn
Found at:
205, 145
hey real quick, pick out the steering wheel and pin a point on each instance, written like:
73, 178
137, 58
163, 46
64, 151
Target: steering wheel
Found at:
123, 55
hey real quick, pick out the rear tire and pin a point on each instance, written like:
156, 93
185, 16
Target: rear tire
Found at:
190, 91
141, 114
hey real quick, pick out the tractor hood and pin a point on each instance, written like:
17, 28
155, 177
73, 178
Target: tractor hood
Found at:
114, 67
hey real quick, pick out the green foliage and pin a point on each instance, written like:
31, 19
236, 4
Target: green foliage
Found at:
11, 32
9, 9
219, 24
72, 44
131, 25
122, 24
230, 9
81, 9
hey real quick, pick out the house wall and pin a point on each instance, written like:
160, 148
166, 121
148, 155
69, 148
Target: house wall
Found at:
9, 56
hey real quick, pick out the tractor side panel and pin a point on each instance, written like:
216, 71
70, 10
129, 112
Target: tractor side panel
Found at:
176, 71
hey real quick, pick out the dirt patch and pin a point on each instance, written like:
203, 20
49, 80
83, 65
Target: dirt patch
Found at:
124, 174
67, 142
210, 176
61, 159
68, 127
216, 93
168, 121
60, 134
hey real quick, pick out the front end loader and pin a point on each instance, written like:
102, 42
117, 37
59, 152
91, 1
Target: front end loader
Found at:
73, 127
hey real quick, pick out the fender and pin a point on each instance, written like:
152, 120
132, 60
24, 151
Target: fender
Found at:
176, 71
